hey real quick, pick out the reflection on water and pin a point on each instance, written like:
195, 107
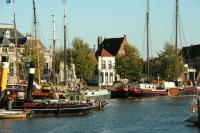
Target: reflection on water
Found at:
149, 115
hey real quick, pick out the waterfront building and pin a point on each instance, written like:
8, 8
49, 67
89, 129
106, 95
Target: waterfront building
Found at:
8, 50
105, 54
191, 57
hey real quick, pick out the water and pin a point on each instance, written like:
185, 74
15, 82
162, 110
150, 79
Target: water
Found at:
149, 115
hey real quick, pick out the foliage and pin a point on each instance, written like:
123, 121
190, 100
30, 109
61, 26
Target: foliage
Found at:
29, 55
130, 65
166, 68
83, 59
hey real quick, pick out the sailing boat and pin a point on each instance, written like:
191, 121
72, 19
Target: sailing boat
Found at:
70, 105
147, 89
161, 87
178, 90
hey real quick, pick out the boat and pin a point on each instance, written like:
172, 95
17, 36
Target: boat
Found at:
6, 114
194, 118
96, 93
71, 103
55, 109
159, 88
145, 90
119, 90
43, 102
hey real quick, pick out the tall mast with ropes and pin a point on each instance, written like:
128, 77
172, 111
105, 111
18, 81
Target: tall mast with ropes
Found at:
36, 41
16, 43
147, 27
54, 43
176, 37
65, 41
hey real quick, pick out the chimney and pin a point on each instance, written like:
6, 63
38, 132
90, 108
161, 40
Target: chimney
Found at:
99, 40
94, 49
124, 36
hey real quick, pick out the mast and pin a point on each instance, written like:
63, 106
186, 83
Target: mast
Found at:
54, 43
65, 33
147, 26
176, 38
16, 43
36, 41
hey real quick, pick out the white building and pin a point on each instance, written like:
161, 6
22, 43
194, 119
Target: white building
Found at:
106, 70
107, 50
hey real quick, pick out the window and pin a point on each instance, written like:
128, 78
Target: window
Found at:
109, 64
11, 69
106, 77
102, 77
7, 34
111, 78
103, 64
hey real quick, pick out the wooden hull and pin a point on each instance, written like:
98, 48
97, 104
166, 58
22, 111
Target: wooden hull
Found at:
173, 91
119, 93
192, 119
137, 92
12, 115
56, 109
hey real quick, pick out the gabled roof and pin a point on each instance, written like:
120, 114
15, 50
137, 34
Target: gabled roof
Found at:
12, 40
110, 46
9, 27
191, 52
5, 42
105, 53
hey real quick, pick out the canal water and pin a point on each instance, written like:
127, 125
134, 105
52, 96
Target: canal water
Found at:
148, 115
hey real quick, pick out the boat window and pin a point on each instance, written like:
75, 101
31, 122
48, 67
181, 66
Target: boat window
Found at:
92, 92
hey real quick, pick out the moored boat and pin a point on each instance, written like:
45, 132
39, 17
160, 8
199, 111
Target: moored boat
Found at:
145, 90
5, 114
194, 118
99, 93
119, 90
67, 104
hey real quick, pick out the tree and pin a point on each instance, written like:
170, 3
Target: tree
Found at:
166, 68
83, 59
29, 55
129, 65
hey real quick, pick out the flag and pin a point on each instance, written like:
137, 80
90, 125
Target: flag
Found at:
8, 1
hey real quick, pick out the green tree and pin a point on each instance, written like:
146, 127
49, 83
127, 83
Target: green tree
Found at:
83, 59
166, 68
129, 65
28, 55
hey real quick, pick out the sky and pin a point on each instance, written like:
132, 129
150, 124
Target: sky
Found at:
88, 19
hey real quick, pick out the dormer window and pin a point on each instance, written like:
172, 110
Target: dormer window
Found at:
7, 34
